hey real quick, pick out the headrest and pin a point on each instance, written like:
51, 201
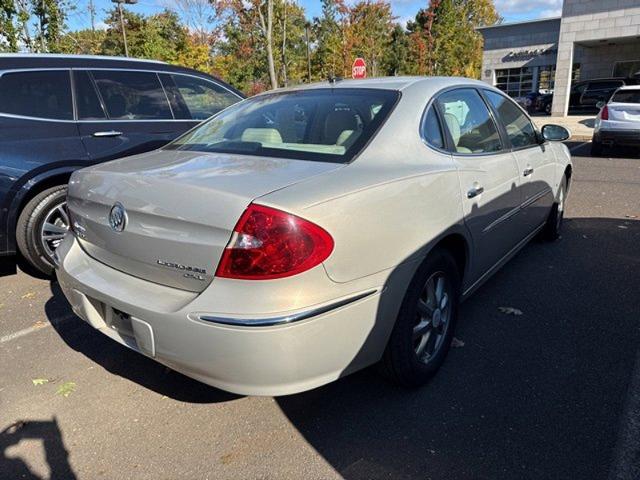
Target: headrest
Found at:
261, 135
337, 122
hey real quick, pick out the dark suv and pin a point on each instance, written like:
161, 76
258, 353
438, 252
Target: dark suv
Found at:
61, 113
585, 96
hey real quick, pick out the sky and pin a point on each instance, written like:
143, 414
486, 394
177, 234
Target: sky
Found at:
511, 10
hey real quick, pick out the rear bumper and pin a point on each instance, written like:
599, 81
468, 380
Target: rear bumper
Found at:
618, 137
167, 325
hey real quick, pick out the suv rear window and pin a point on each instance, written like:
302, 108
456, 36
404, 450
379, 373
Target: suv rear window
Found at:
330, 125
627, 96
41, 94
196, 98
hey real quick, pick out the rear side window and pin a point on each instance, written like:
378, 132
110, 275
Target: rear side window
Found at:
431, 130
42, 94
201, 97
132, 95
87, 101
468, 122
627, 96
518, 126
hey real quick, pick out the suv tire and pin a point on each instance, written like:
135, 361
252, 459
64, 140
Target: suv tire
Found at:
29, 229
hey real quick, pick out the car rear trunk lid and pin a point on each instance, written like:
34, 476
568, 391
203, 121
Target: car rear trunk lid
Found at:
180, 209
625, 112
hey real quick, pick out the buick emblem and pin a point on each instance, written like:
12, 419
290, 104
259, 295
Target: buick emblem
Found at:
118, 217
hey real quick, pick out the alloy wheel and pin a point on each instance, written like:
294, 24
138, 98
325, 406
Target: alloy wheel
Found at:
433, 317
54, 228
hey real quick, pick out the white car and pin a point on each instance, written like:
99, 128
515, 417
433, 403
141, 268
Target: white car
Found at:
306, 233
618, 122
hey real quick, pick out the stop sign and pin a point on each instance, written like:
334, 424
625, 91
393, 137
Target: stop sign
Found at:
359, 68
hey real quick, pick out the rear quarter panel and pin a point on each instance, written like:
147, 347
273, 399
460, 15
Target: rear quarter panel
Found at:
386, 207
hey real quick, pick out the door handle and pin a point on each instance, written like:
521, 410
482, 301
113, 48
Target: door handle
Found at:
527, 171
108, 133
475, 191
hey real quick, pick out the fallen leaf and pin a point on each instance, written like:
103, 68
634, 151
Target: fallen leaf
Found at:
457, 343
66, 389
40, 381
631, 216
510, 311
28, 295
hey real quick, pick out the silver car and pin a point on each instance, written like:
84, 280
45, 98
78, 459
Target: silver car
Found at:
304, 234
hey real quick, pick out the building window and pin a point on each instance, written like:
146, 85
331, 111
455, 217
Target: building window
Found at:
515, 82
546, 78
627, 69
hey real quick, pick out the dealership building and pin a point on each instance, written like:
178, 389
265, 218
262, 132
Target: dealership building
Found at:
592, 39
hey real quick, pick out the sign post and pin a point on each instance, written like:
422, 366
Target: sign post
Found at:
359, 68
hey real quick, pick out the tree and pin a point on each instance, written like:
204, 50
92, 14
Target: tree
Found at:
201, 17
85, 42
328, 58
370, 28
267, 31
8, 26
443, 39
17, 17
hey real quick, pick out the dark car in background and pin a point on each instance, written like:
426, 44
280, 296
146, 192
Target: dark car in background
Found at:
585, 96
543, 103
60, 113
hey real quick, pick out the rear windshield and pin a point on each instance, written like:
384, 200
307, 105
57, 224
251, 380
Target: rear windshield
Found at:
627, 96
328, 125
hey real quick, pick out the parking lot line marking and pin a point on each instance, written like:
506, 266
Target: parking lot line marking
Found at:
34, 328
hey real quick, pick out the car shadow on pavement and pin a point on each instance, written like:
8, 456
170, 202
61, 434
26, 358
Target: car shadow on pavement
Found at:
119, 360
56, 454
536, 395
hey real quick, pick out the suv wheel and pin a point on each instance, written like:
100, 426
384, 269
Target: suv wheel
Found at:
41, 226
426, 322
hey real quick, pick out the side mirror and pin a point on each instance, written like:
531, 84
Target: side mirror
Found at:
555, 133
601, 104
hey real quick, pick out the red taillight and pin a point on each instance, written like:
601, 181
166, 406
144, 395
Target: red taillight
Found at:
604, 113
268, 243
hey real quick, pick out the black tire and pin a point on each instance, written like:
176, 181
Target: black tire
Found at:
547, 109
552, 228
596, 148
400, 362
29, 226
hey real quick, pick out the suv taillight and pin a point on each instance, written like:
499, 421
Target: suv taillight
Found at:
268, 243
604, 113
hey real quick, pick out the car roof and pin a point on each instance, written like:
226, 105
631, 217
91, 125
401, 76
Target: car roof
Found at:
387, 83
629, 87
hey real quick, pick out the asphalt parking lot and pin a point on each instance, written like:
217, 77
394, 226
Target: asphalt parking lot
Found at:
551, 393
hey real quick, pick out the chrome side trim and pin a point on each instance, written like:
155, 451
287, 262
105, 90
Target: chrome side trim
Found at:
285, 319
501, 219
536, 197
517, 209
486, 275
